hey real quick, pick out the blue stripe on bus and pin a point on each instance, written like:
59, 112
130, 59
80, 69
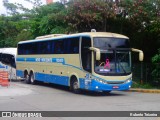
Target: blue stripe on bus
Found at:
20, 59
56, 79
30, 59
47, 60
64, 80
54, 60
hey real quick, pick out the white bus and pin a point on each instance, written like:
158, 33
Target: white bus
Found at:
95, 61
8, 61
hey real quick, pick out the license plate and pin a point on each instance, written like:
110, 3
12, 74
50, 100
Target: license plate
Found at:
115, 87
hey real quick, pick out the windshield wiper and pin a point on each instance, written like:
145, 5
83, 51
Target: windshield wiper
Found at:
119, 62
121, 66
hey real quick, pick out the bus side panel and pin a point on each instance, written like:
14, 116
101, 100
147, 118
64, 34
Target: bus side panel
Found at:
50, 78
20, 68
58, 74
56, 79
20, 73
40, 77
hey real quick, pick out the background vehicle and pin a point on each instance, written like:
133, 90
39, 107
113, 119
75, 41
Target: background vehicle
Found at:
8, 61
93, 61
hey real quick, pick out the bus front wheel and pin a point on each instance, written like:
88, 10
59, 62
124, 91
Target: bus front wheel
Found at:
106, 92
75, 85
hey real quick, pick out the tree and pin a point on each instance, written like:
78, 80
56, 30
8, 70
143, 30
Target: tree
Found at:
84, 15
140, 22
11, 8
137, 19
49, 19
156, 63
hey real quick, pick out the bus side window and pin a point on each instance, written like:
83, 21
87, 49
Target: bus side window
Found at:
52, 47
42, 48
49, 48
86, 54
73, 45
59, 47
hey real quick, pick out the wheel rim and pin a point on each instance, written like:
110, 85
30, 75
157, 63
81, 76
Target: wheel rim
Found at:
32, 79
27, 77
75, 85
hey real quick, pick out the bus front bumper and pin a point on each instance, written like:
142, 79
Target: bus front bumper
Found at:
94, 85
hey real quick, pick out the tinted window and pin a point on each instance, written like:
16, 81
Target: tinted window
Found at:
103, 42
86, 54
8, 60
73, 45
61, 46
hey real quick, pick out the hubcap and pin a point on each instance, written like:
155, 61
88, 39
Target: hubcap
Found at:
32, 80
75, 86
27, 77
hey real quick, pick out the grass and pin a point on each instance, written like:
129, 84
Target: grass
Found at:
136, 84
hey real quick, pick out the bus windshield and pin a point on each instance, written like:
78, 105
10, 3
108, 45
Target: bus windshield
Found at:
115, 57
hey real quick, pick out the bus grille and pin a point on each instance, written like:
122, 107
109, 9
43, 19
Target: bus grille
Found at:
116, 82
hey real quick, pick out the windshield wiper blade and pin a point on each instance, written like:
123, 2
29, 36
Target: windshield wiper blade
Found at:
121, 66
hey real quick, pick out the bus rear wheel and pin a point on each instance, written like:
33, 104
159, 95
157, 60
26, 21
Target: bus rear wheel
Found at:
26, 78
75, 86
33, 81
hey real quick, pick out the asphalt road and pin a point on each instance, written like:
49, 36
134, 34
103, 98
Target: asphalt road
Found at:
46, 97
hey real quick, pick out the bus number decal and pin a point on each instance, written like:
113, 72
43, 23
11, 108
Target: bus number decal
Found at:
50, 60
38, 59
43, 59
59, 60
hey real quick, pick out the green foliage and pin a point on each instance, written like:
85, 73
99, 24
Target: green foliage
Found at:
139, 85
24, 35
45, 10
137, 19
84, 15
156, 58
47, 18
156, 70
12, 8
143, 25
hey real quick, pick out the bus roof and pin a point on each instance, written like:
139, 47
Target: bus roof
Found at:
1, 50
11, 51
91, 34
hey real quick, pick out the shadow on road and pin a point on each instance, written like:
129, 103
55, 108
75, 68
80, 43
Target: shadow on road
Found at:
83, 92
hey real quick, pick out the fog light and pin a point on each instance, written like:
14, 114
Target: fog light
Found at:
96, 87
129, 86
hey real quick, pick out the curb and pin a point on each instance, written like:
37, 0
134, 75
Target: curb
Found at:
144, 90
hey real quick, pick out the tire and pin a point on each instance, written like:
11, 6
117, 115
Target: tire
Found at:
106, 92
75, 86
26, 78
33, 81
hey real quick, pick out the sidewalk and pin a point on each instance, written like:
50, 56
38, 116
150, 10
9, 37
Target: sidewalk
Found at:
144, 90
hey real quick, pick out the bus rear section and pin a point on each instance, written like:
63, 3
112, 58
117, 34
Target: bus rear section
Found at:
8, 62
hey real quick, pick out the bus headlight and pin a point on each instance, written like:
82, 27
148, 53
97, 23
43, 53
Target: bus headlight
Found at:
128, 80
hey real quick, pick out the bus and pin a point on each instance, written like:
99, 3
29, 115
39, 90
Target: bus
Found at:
94, 61
8, 61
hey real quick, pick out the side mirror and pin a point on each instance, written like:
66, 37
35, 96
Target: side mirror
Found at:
98, 53
141, 55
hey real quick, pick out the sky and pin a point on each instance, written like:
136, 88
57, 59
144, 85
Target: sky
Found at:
23, 2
